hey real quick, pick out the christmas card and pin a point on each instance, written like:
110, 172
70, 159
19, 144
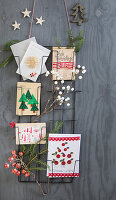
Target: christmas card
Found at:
28, 98
63, 155
63, 62
33, 61
30, 133
19, 50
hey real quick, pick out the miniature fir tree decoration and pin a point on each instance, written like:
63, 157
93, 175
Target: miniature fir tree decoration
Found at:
78, 14
23, 106
34, 108
28, 95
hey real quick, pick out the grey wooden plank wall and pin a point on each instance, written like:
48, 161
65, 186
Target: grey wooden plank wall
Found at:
95, 106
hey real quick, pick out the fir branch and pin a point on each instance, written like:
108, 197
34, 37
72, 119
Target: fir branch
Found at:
76, 42
79, 45
58, 43
8, 44
57, 126
23, 148
41, 162
71, 42
7, 61
79, 36
7, 48
36, 168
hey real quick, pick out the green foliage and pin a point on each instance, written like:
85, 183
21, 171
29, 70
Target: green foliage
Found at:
6, 47
7, 61
71, 42
23, 98
23, 148
76, 42
30, 155
58, 43
23, 106
57, 127
10, 58
28, 95
41, 162
36, 168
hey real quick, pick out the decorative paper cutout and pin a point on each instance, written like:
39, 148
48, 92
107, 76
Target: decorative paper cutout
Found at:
63, 61
30, 133
28, 98
31, 62
63, 155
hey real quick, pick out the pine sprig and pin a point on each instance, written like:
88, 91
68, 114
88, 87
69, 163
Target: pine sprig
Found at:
76, 42
7, 61
6, 47
58, 43
41, 162
36, 168
10, 58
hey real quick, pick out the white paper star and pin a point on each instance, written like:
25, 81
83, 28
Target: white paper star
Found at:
26, 13
40, 20
16, 25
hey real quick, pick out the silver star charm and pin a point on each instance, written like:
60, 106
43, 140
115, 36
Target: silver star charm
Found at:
16, 25
40, 20
26, 13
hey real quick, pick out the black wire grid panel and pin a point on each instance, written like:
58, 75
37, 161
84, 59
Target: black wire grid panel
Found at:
41, 176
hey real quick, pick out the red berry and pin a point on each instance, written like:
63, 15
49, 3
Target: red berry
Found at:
11, 159
27, 174
63, 155
63, 144
14, 156
18, 173
69, 156
69, 162
63, 163
59, 150
6, 165
56, 162
20, 153
13, 164
18, 166
58, 155
13, 152
65, 149
14, 171
23, 171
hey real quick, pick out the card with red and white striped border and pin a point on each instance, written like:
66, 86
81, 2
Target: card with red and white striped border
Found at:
63, 155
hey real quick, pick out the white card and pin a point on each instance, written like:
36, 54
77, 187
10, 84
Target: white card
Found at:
30, 133
33, 61
19, 50
63, 155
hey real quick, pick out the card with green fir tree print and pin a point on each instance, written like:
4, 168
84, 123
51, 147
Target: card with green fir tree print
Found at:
63, 155
28, 98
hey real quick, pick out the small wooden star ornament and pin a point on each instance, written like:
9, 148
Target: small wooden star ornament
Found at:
26, 13
40, 20
16, 25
